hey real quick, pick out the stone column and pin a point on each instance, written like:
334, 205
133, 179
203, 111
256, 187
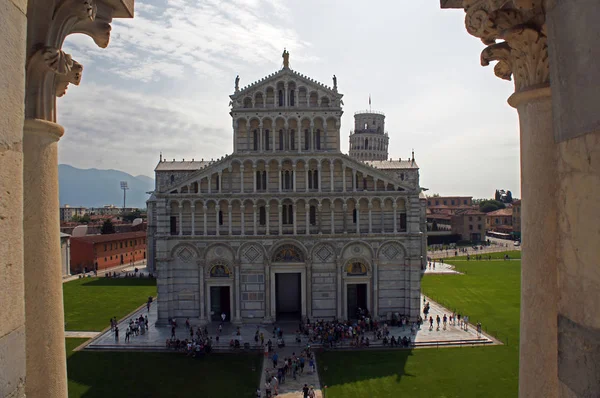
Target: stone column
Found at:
319, 220
331, 181
319, 177
209, 183
229, 222
279, 170
193, 210
370, 217
243, 217
280, 207
294, 177
180, 220
343, 177
345, 221
332, 219
395, 206
523, 56
273, 141
237, 299
13, 34
254, 208
375, 309
220, 181
307, 182
267, 210
294, 219
254, 178
217, 226
358, 217
307, 215
44, 326
205, 219
339, 288
354, 180
242, 178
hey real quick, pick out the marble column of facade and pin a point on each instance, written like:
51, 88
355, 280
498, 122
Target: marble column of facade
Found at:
319, 182
180, 220
319, 218
193, 211
242, 178
279, 172
345, 220
255, 226
210, 183
243, 218
294, 177
294, 219
370, 217
298, 141
307, 215
219, 181
382, 219
395, 206
280, 207
343, 177
254, 178
338, 278
307, 182
248, 139
331, 181
237, 299
205, 219
353, 180
375, 309
229, 220
267, 220
217, 225
332, 219
357, 218
273, 141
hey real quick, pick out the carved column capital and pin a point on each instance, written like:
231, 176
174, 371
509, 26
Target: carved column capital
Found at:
515, 35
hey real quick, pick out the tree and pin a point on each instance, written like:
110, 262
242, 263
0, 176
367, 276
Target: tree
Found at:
497, 195
129, 217
107, 227
487, 206
509, 197
435, 195
85, 219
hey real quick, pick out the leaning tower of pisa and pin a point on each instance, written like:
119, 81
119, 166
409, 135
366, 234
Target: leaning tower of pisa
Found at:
369, 140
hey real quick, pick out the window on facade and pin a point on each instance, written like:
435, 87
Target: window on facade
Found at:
105, 259
280, 97
105, 245
255, 140
173, 226
366, 143
261, 180
313, 179
220, 217
281, 140
479, 227
437, 202
217, 182
172, 178
470, 218
464, 202
479, 218
306, 139
287, 214
318, 139
291, 97
313, 215
354, 214
287, 180
292, 140
402, 221
452, 201
262, 215
470, 227
445, 202
365, 184
267, 140
121, 245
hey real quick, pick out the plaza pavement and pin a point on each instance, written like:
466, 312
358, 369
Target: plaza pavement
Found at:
440, 268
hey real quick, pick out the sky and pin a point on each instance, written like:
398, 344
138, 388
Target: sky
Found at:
163, 84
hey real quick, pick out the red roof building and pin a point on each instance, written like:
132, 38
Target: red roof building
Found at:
106, 251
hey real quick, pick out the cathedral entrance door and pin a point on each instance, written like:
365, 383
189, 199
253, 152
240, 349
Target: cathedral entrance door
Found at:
288, 296
220, 303
356, 298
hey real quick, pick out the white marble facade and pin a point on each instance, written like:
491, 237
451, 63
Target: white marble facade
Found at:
286, 224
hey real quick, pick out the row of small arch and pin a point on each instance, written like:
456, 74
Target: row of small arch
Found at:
307, 201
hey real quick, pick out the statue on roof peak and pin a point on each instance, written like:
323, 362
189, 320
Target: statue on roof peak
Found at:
237, 83
286, 59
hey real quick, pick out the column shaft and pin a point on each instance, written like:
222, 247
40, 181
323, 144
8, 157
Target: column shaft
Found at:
44, 318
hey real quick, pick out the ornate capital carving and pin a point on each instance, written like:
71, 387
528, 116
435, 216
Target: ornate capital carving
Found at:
520, 24
73, 77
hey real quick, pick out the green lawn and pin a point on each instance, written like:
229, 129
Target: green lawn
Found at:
489, 292
91, 302
148, 374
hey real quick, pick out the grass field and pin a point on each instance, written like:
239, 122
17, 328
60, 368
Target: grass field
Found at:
91, 302
146, 374
489, 292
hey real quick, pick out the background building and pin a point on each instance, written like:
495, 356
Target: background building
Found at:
469, 224
500, 220
107, 251
369, 140
287, 226
516, 219
65, 253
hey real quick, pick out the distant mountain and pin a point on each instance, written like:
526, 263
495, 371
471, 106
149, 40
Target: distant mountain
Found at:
96, 188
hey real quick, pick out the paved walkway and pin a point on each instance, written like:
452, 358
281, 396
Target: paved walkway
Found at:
141, 265
82, 335
441, 268
494, 248
290, 388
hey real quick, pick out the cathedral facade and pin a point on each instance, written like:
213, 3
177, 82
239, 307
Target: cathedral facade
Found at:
287, 226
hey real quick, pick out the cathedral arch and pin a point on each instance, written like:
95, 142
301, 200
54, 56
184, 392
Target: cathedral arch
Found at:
358, 248
219, 269
356, 267
219, 251
288, 251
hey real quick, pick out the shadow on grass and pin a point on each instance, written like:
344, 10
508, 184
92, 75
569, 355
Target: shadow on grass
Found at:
97, 282
338, 368
147, 374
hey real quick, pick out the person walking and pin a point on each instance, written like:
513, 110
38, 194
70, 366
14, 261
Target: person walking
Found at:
437, 319
275, 357
430, 323
445, 321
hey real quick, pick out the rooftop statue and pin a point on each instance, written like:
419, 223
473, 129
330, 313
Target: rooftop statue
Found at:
237, 83
286, 58
334, 82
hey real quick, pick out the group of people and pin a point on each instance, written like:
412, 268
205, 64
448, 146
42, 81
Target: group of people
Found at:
134, 328
453, 319
293, 366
